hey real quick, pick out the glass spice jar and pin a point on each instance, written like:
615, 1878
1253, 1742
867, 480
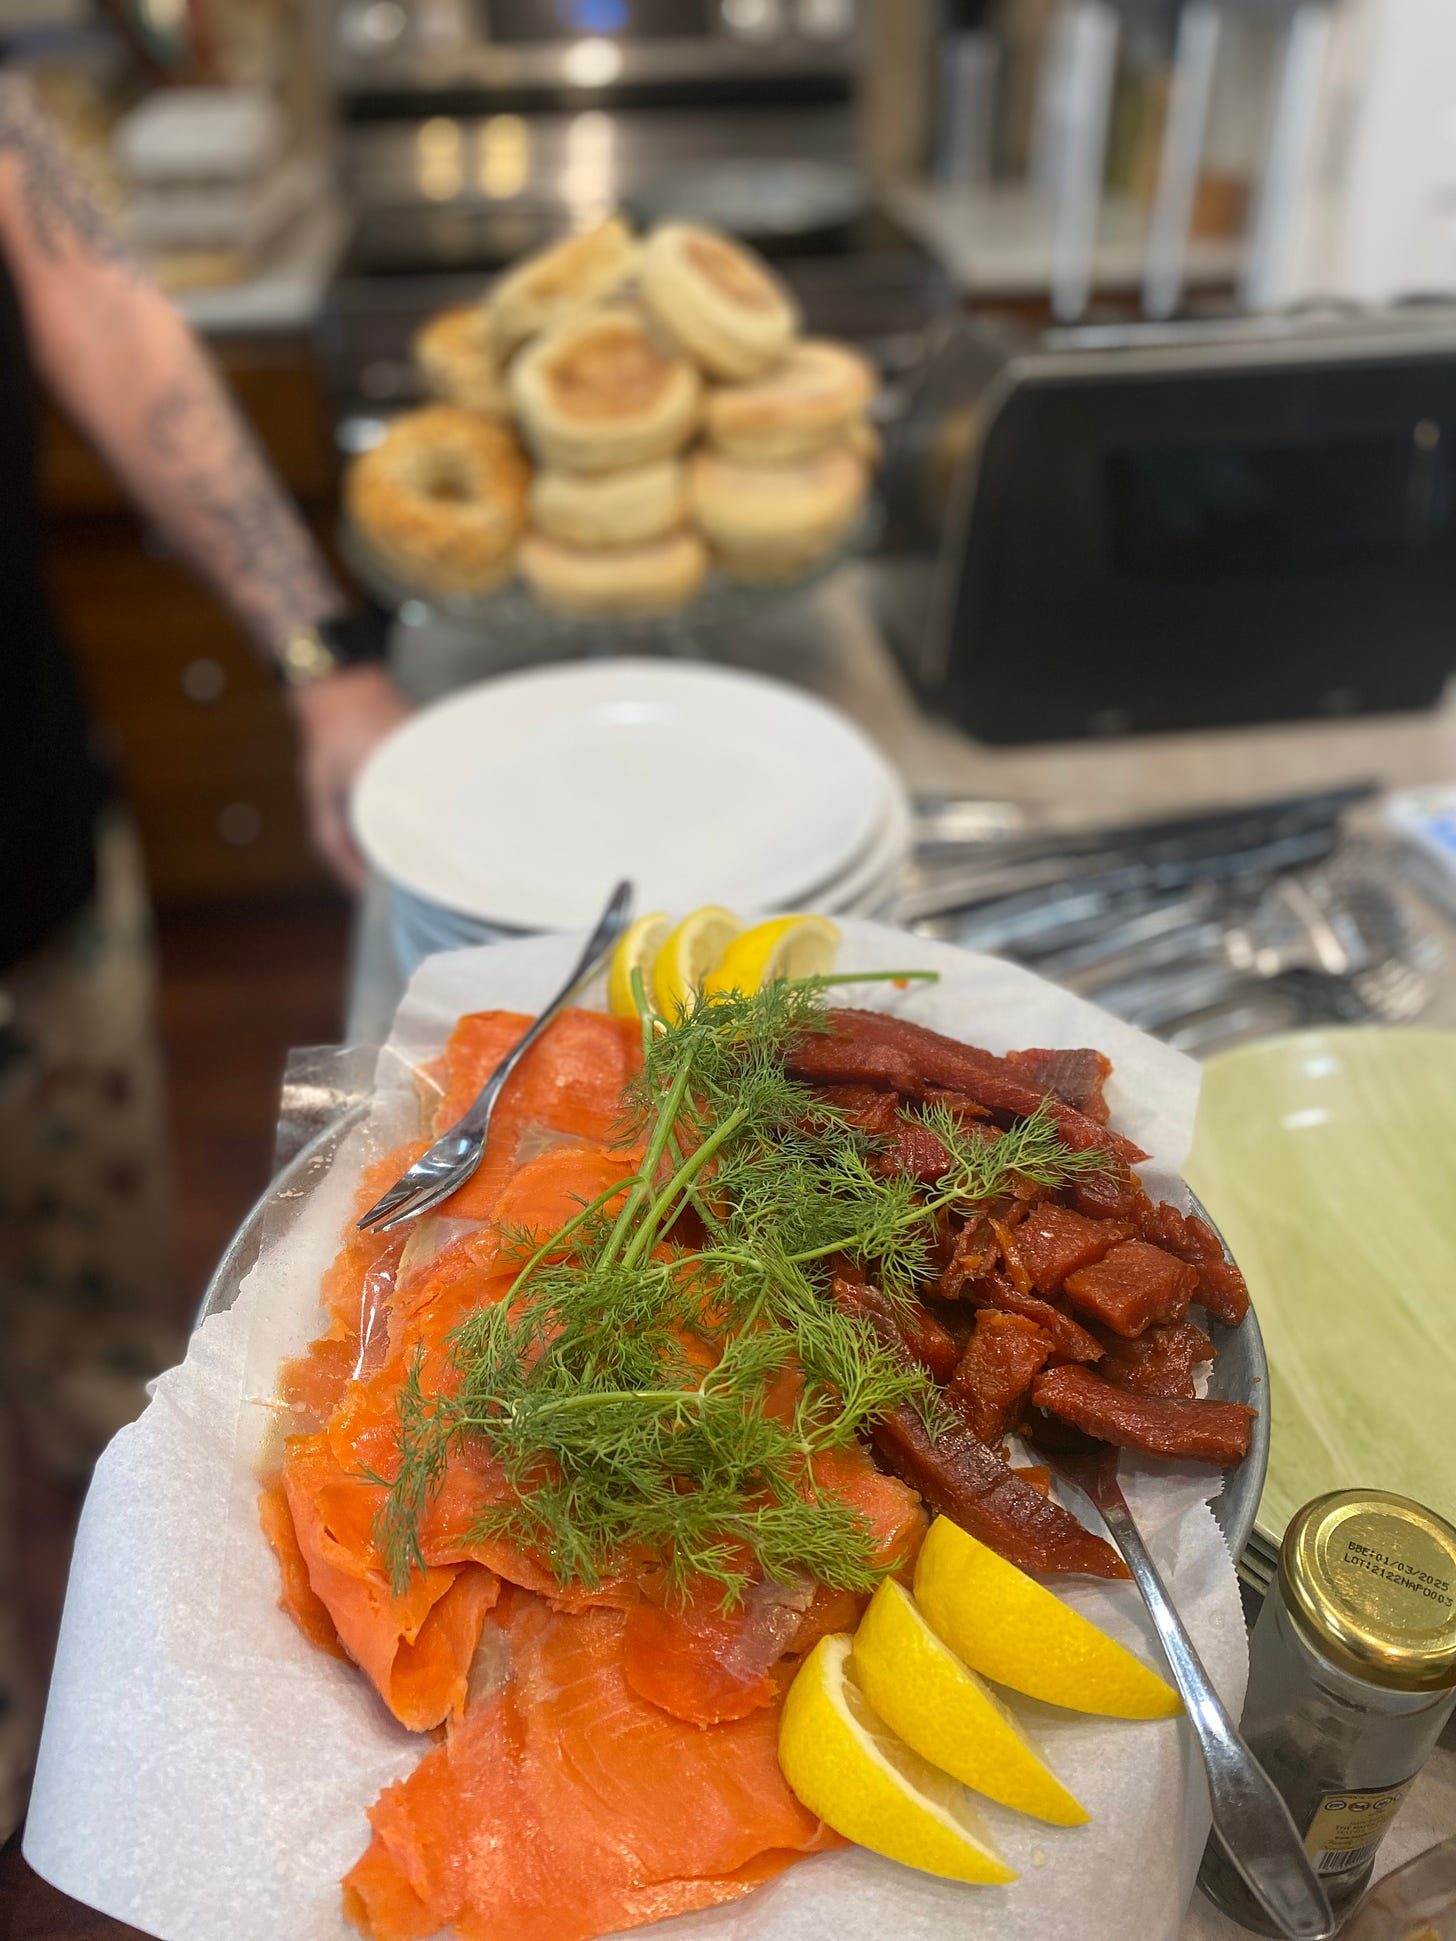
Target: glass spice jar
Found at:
1352, 1675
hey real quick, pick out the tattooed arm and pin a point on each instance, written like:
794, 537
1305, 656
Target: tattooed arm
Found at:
122, 362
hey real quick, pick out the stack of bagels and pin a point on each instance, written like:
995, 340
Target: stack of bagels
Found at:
673, 416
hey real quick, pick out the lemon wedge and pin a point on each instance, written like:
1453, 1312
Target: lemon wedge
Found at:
689, 954
849, 1768
1006, 1626
637, 950
783, 947
943, 1711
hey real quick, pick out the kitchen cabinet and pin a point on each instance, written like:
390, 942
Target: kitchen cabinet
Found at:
200, 733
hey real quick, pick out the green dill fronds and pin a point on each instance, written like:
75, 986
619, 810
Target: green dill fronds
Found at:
667, 1366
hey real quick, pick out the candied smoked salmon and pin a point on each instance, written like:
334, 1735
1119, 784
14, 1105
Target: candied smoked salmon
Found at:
566, 1806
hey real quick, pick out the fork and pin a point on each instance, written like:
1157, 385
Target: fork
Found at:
455, 1155
1250, 1820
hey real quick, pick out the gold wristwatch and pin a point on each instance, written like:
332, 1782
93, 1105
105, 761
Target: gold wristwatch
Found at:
327, 647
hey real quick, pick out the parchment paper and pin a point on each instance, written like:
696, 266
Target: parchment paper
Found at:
205, 1773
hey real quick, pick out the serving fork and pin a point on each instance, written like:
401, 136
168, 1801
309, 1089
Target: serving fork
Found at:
455, 1155
1250, 1820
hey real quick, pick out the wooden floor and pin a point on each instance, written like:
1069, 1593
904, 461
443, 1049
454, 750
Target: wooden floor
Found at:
239, 987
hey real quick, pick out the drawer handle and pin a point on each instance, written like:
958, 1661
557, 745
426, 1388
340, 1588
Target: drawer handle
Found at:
204, 680
240, 824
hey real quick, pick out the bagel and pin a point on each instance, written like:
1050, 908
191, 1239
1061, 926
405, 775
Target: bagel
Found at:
441, 499
718, 300
456, 361
565, 277
610, 508
655, 577
602, 391
774, 521
808, 400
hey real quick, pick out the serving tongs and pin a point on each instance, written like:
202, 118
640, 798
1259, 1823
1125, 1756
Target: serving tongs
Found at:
446, 1166
1251, 1823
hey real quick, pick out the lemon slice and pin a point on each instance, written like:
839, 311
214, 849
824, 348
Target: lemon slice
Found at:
689, 953
850, 1769
637, 950
782, 947
1008, 1627
946, 1714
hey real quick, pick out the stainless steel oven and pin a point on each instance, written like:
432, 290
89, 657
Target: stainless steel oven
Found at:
1147, 528
541, 47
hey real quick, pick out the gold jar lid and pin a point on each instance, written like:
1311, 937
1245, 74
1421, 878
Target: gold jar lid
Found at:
1371, 1576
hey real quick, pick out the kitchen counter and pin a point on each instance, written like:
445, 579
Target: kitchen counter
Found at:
830, 644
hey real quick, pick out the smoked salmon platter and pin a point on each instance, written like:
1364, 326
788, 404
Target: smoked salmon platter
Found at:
552, 1521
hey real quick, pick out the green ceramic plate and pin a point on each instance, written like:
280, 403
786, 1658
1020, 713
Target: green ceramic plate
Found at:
1328, 1159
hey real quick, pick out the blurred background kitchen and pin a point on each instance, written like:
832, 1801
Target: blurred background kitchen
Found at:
1155, 611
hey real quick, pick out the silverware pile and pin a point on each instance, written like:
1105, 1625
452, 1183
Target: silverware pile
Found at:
1207, 930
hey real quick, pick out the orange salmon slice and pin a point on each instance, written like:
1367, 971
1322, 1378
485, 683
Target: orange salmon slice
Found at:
570, 1083
566, 1807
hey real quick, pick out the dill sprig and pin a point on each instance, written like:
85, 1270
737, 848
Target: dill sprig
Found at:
662, 1374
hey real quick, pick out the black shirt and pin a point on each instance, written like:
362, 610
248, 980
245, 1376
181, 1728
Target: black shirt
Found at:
52, 782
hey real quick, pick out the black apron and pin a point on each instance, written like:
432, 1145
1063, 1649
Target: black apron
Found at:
53, 783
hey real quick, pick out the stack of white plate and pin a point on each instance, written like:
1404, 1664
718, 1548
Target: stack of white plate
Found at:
515, 805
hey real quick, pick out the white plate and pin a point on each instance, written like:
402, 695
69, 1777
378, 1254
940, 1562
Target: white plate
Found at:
522, 800
420, 929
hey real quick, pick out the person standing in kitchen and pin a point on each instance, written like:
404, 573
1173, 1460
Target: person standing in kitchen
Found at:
83, 1175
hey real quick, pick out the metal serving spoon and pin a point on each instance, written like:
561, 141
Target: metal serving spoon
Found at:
1250, 1819
455, 1154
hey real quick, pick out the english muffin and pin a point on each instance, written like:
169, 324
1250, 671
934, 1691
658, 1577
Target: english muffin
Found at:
441, 499
458, 365
717, 299
610, 508
602, 392
655, 577
772, 521
808, 400
558, 281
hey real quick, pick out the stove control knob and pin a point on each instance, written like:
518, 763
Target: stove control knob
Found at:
753, 19
824, 19
372, 26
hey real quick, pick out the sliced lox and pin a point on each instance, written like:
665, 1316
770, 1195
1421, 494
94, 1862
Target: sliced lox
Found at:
565, 1806
414, 1647
1133, 1286
569, 1084
1200, 1431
